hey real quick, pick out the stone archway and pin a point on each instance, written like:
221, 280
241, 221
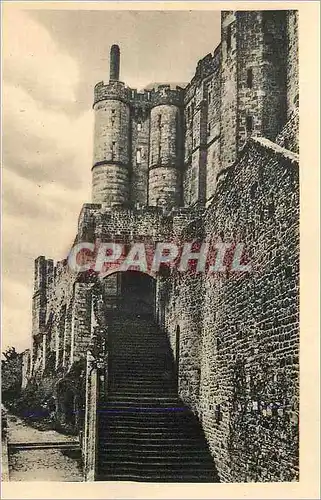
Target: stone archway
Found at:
130, 292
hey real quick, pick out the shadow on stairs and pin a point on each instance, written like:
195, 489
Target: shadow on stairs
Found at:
145, 432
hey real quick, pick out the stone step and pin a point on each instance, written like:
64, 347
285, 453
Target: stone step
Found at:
158, 477
137, 376
145, 432
121, 397
152, 463
169, 448
178, 415
134, 438
157, 431
147, 453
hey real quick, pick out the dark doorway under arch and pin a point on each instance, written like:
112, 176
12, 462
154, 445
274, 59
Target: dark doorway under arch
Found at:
130, 292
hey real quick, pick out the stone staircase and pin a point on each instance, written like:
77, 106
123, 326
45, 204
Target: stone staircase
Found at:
145, 433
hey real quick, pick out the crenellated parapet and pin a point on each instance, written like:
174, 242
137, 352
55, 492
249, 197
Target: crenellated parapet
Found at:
165, 95
114, 90
205, 67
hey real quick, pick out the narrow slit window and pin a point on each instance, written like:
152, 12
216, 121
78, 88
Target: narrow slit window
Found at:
159, 121
139, 126
209, 129
209, 97
249, 78
113, 149
138, 156
249, 123
112, 116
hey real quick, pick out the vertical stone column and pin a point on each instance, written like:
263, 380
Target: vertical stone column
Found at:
96, 364
4, 446
89, 449
81, 321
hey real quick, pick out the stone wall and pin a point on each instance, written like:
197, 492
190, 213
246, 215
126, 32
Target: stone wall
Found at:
274, 58
213, 161
81, 321
228, 89
292, 61
140, 128
254, 69
239, 343
289, 135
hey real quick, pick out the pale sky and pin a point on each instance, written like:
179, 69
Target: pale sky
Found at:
51, 61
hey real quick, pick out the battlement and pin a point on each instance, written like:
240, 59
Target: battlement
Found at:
164, 94
112, 90
115, 90
205, 67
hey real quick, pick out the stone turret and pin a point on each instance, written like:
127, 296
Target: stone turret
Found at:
166, 147
111, 163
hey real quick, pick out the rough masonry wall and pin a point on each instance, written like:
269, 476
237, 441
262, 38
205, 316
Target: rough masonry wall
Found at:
81, 321
289, 135
133, 225
251, 94
184, 318
274, 24
140, 123
292, 61
253, 78
249, 354
213, 125
228, 89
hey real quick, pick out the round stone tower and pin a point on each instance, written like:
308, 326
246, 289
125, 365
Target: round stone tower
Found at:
110, 171
166, 150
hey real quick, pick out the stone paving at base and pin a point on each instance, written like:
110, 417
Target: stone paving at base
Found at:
40, 465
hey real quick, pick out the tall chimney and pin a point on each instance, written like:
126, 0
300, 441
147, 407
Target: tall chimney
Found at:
114, 62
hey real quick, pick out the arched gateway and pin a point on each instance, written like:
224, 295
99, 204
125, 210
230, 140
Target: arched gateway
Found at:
130, 292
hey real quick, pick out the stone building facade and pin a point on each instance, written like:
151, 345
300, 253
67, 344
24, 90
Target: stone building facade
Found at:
216, 158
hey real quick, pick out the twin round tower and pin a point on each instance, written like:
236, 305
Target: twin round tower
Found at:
138, 143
